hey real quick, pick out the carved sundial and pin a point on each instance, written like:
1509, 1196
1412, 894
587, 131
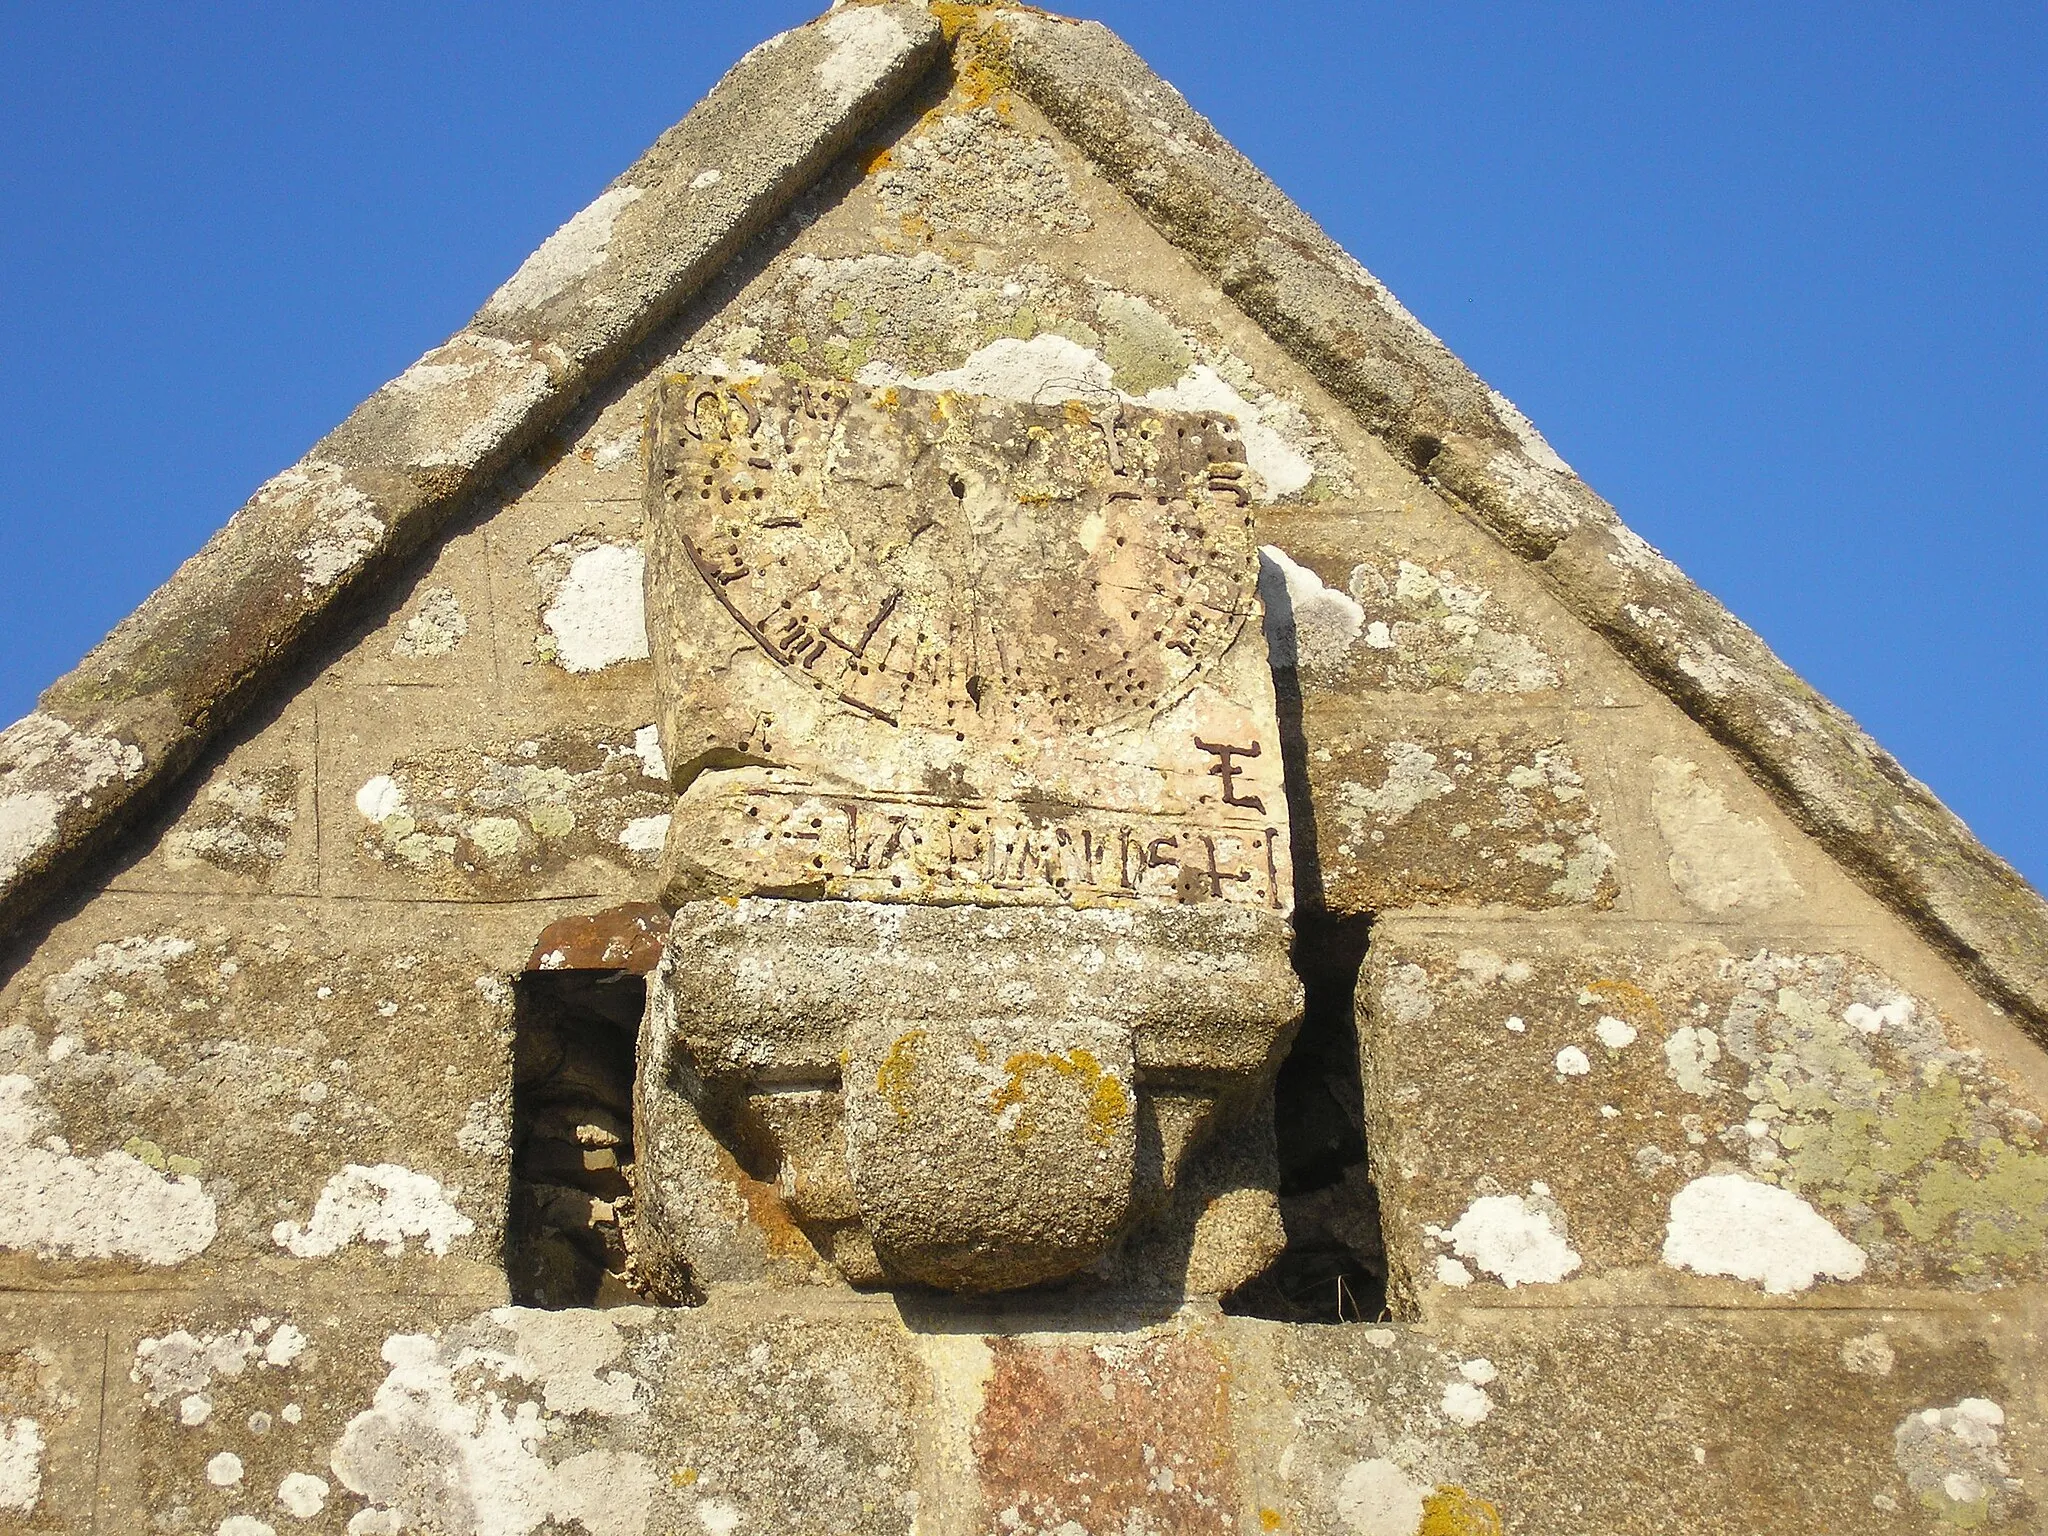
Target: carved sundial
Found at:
937, 659
935, 646
955, 563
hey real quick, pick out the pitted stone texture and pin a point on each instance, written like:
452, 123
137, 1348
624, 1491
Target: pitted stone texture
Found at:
425, 798
1129, 1433
770, 1425
225, 1077
1544, 1107
1000, 1039
938, 647
991, 1153
1418, 813
1554, 1424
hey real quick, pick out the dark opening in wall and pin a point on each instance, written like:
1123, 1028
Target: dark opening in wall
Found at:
577, 1034
1334, 1268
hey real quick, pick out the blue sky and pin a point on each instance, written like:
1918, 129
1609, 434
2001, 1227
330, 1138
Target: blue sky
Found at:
1771, 277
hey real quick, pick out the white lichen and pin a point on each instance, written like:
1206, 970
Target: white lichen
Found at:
21, 1466
1514, 1241
577, 248
1413, 779
1377, 1498
645, 835
1730, 1224
1308, 624
451, 1440
1281, 466
1464, 1403
384, 1204
597, 612
865, 43
302, 1495
110, 1206
28, 825
1952, 1462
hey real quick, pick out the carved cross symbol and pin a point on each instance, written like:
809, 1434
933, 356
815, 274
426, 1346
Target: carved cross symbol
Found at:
1227, 770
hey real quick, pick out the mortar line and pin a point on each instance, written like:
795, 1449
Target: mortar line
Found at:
319, 858
99, 1449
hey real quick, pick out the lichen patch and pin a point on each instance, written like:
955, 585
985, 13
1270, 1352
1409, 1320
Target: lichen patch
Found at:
594, 608
114, 1205
1729, 1224
384, 1204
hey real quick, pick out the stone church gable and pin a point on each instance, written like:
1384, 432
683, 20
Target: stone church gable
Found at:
944, 835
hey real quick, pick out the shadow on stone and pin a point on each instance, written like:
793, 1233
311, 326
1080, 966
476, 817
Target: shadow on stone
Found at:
572, 1138
1334, 1268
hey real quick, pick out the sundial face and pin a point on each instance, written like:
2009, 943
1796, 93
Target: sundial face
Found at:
957, 564
919, 646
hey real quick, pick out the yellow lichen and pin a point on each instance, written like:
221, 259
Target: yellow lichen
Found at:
1451, 1511
1271, 1520
1109, 1102
895, 1078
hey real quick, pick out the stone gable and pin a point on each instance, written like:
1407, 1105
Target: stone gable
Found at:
944, 835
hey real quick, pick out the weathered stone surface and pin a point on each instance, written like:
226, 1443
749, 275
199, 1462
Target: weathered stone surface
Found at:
622, 938
184, 1089
1820, 1228
940, 647
966, 1081
1544, 1107
1417, 813
52, 1362
1378, 616
247, 821
1550, 1424
429, 800
141, 707
1133, 1435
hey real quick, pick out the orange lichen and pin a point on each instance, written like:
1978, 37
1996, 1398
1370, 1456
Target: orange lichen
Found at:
1635, 1004
1271, 1520
1451, 1511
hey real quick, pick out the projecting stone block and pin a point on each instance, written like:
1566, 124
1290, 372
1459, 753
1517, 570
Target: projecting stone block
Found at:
938, 647
954, 1095
1544, 1108
980, 688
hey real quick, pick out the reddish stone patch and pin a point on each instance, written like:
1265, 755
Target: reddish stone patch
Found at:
622, 938
1124, 1437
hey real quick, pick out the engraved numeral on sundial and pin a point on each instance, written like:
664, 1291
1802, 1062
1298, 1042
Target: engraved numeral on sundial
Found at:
1226, 769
